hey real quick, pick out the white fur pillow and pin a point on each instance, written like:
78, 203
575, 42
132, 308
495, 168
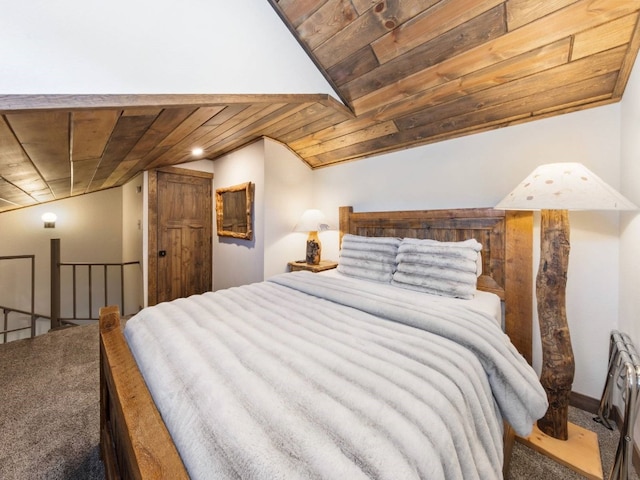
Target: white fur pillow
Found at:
371, 258
440, 268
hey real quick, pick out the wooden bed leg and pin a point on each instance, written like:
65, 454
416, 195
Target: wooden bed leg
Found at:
509, 438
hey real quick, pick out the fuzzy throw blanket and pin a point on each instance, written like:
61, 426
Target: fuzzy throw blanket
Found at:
306, 376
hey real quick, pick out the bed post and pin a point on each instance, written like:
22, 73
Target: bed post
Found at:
345, 214
134, 442
109, 319
518, 295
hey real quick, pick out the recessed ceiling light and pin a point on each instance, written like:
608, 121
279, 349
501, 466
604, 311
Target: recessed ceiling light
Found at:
197, 151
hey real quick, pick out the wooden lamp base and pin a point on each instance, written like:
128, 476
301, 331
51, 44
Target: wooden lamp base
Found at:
314, 249
580, 452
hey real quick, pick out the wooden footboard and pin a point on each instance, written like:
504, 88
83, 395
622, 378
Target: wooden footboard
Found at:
134, 442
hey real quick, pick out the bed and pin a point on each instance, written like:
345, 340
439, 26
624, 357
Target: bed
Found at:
135, 438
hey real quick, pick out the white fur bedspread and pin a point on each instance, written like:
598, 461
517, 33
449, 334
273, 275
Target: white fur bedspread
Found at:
273, 381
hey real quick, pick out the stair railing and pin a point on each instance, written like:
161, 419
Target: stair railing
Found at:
56, 272
7, 310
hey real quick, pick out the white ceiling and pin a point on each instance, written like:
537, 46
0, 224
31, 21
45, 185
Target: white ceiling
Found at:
163, 46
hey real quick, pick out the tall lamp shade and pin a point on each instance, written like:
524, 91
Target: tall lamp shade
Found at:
554, 189
312, 221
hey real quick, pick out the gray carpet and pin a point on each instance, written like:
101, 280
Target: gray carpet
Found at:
49, 406
50, 416
527, 464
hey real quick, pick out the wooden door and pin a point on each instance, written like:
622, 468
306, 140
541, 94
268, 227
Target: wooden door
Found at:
183, 231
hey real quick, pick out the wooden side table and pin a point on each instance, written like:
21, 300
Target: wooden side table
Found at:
322, 266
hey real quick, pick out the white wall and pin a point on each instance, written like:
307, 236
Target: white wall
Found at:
630, 228
477, 171
282, 193
162, 46
630, 225
288, 193
237, 261
89, 228
132, 243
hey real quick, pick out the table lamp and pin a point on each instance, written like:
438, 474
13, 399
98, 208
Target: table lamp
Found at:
312, 221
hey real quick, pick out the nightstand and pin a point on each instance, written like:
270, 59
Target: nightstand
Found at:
322, 266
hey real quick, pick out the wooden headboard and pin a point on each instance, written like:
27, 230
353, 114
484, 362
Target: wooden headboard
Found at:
506, 238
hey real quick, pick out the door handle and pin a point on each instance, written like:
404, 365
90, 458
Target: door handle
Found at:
162, 253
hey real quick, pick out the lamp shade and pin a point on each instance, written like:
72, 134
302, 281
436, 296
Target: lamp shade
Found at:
564, 186
49, 217
312, 220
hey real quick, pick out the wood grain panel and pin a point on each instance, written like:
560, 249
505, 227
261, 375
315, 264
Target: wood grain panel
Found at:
507, 112
206, 134
627, 63
504, 47
521, 12
352, 67
126, 135
5, 206
502, 73
297, 11
198, 118
437, 20
593, 66
165, 123
337, 130
44, 136
18, 172
83, 171
301, 120
253, 129
142, 112
22, 103
13, 196
304, 129
371, 25
376, 131
451, 43
60, 187
604, 37
90, 132
326, 21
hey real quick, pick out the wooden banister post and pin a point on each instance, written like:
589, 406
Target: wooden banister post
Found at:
55, 283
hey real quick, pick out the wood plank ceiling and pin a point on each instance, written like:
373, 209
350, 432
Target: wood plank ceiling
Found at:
410, 72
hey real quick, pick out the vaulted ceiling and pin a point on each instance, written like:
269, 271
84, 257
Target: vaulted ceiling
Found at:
408, 73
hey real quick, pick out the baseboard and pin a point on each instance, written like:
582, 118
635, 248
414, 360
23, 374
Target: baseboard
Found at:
592, 405
583, 402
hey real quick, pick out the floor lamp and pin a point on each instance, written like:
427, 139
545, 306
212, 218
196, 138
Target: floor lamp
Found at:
553, 190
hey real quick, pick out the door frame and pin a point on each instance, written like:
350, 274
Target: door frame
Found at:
152, 260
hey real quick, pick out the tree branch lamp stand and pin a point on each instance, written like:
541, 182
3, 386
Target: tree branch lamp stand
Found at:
554, 189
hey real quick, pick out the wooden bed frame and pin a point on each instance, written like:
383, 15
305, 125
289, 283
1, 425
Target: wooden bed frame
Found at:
134, 442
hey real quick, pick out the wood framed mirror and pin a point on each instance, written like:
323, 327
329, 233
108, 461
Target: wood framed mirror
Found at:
233, 211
